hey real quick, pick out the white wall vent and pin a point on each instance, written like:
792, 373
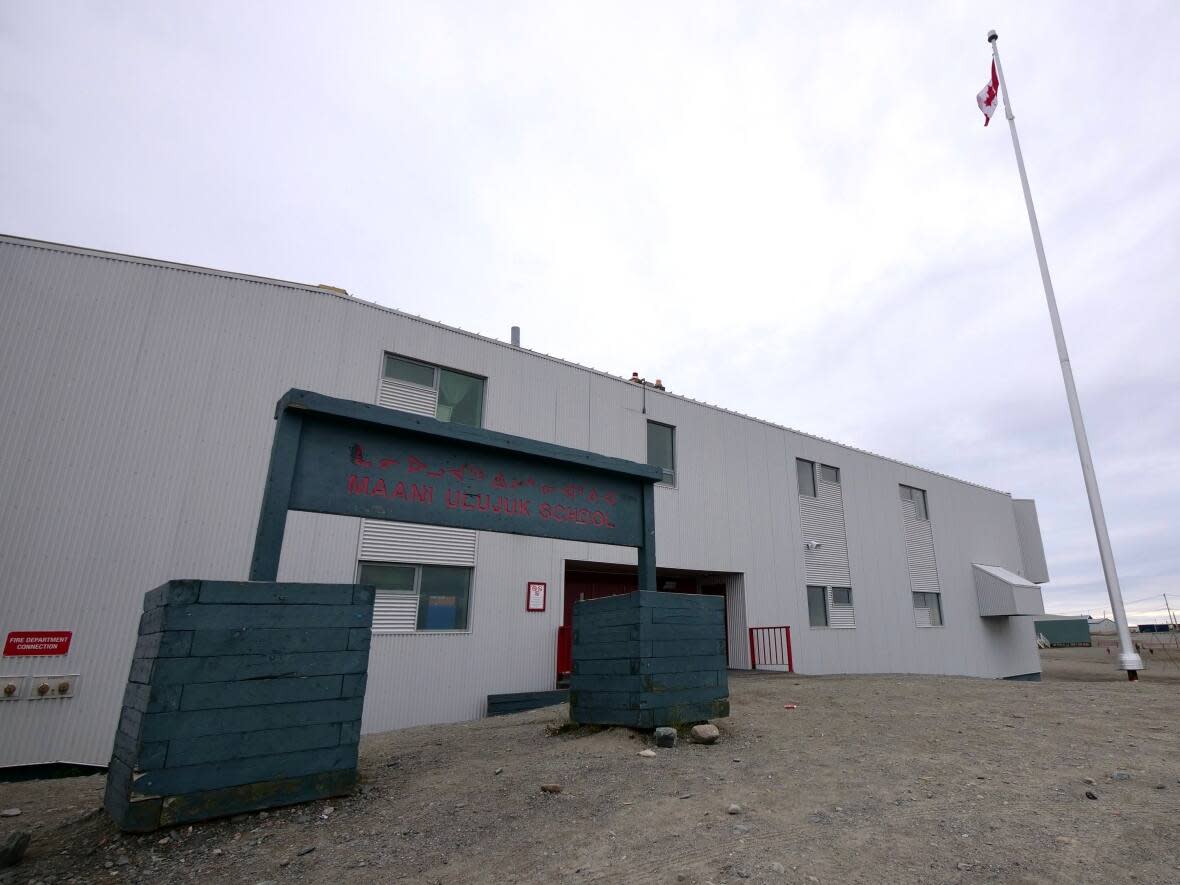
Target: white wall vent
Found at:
415, 398
417, 544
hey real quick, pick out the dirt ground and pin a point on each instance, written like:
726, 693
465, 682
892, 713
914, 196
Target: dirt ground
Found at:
870, 779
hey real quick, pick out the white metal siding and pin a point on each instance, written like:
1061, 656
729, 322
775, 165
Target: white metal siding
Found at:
395, 394
735, 619
822, 520
919, 546
420, 544
193, 362
1032, 548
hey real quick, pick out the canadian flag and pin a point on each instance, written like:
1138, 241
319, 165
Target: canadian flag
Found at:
989, 96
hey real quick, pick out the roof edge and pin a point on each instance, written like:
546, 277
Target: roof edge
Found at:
333, 292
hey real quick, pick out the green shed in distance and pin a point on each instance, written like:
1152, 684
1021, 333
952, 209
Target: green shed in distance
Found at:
1063, 632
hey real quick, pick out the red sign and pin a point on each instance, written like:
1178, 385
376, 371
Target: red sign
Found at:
535, 601
22, 643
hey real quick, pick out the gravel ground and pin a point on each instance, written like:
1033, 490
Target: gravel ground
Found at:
870, 779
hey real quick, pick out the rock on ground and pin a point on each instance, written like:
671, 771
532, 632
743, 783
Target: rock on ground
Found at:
704, 734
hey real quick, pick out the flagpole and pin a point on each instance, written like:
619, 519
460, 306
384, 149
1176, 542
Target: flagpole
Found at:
1129, 659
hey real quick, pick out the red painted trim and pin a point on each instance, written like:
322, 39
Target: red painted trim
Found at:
776, 644
565, 649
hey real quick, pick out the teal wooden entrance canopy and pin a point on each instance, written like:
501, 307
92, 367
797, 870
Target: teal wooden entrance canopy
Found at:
354, 459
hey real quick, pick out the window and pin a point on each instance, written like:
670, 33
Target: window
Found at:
927, 610
830, 606
661, 450
817, 606
806, 474
909, 493
408, 370
418, 597
831, 474
458, 396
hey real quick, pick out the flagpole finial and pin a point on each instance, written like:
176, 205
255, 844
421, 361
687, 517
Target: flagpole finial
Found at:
992, 36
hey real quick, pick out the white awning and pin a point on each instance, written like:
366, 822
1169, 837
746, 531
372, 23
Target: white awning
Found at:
1002, 593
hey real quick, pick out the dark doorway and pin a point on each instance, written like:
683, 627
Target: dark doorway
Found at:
594, 580
582, 584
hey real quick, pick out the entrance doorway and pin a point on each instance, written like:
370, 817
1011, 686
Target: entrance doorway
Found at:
594, 580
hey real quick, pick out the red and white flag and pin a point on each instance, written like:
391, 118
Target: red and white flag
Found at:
989, 96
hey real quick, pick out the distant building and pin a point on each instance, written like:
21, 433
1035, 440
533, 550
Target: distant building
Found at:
138, 403
1063, 631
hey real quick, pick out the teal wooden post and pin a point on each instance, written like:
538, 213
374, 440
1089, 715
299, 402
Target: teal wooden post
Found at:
647, 543
276, 498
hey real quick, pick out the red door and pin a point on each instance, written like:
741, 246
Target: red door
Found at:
580, 586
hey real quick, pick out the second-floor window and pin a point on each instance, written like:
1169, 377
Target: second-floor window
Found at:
661, 449
805, 472
918, 496
458, 396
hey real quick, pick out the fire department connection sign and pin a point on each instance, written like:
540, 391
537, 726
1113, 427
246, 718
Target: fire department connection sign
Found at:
29, 643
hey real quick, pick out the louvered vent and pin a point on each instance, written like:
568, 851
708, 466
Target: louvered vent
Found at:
923, 616
414, 398
418, 544
919, 548
840, 615
822, 520
395, 612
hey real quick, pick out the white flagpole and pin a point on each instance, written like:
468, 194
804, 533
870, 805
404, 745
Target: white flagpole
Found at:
1129, 659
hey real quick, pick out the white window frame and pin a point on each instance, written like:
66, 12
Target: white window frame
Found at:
799, 462
938, 601
828, 589
669, 480
922, 515
435, 384
417, 594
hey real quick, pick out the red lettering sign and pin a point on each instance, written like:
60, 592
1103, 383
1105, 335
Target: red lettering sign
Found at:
535, 600
21, 643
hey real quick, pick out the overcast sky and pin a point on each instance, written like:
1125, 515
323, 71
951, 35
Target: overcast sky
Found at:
789, 209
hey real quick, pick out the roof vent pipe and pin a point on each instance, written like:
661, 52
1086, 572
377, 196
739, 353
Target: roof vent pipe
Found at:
516, 336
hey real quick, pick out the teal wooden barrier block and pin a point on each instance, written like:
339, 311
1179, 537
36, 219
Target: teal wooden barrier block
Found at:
241, 696
649, 659
261, 640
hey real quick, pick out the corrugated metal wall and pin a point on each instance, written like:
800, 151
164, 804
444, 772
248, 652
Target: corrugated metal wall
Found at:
1032, 548
138, 403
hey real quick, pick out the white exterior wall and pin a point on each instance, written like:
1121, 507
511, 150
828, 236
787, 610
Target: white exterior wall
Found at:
138, 403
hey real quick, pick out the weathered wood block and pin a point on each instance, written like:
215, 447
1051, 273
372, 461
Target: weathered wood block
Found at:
516, 702
649, 659
256, 640
241, 696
